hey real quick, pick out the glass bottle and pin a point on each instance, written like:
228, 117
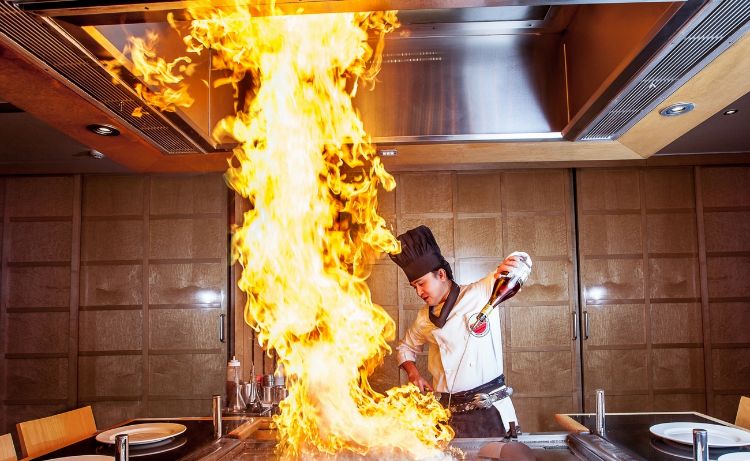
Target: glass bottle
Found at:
234, 390
505, 287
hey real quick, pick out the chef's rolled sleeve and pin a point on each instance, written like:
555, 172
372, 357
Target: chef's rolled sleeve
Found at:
410, 345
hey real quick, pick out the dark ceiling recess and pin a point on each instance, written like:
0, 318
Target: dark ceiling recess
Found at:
718, 134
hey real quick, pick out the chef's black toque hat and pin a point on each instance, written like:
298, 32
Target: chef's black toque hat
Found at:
420, 253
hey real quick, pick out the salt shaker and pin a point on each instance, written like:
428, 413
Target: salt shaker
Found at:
122, 447
700, 445
216, 413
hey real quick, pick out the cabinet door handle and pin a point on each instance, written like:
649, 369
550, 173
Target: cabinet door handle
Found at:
221, 327
586, 325
575, 325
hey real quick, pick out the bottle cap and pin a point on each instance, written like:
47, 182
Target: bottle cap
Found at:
234, 362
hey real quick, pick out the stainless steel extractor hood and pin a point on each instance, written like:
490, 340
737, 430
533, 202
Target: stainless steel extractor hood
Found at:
457, 71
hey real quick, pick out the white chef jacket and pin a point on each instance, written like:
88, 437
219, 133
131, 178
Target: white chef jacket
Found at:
457, 360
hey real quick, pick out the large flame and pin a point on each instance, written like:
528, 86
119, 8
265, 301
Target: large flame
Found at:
305, 164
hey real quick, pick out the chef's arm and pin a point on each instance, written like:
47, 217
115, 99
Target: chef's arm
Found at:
414, 377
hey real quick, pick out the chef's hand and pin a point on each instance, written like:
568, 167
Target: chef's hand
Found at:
508, 265
414, 376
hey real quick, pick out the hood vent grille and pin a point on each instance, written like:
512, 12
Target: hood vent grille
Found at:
711, 33
75, 66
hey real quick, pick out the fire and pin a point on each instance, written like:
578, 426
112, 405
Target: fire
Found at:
305, 163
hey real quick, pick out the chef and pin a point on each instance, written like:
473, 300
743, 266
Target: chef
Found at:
464, 358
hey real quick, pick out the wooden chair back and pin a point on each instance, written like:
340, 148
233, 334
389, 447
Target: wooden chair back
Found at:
743, 413
7, 449
43, 435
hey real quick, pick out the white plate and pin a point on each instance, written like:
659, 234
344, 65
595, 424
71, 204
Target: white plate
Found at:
143, 433
718, 435
741, 456
85, 458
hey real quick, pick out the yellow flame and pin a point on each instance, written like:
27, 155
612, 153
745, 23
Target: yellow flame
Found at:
306, 165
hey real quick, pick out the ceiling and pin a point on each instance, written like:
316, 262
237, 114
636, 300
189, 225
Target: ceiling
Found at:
42, 129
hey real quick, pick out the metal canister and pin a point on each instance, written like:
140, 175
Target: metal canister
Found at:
600, 413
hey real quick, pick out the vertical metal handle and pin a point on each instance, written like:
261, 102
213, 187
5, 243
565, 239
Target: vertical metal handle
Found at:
221, 328
575, 325
585, 324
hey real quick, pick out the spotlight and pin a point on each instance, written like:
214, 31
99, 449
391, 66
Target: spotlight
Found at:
103, 130
677, 109
731, 111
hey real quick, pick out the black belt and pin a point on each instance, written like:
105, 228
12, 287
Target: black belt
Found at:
467, 396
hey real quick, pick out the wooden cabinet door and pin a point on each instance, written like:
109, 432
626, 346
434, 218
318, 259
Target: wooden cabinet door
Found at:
642, 336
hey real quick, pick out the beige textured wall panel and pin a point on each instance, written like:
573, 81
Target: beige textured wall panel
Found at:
729, 322
678, 369
186, 374
382, 281
38, 287
548, 282
111, 285
442, 229
188, 194
187, 238
616, 324
29, 379
544, 190
725, 186
539, 326
108, 414
472, 270
19, 413
538, 412
184, 329
671, 233
111, 240
39, 241
538, 235
725, 406
186, 283
677, 323
174, 408
731, 368
387, 201
727, 277
113, 195
540, 372
727, 230
38, 332
624, 403
613, 279
670, 188
110, 375
478, 193
110, 330
480, 237
610, 234
609, 189
680, 402
40, 196
673, 278
425, 193
616, 370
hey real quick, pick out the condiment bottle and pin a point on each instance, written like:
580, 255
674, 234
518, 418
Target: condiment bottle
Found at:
234, 391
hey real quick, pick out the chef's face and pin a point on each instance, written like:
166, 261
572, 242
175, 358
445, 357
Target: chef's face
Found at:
432, 287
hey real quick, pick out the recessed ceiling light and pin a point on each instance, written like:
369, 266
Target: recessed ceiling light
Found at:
103, 130
677, 109
731, 111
